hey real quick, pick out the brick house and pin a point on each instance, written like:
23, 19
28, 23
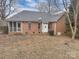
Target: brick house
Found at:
30, 22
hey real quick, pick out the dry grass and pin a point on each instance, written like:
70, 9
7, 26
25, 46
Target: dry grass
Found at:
38, 47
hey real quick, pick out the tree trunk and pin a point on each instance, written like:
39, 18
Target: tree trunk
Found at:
73, 36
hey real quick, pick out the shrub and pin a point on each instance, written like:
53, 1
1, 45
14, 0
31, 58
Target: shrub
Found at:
68, 33
77, 34
4, 29
51, 33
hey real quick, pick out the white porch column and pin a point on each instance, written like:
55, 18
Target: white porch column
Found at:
16, 26
54, 28
8, 26
12, 27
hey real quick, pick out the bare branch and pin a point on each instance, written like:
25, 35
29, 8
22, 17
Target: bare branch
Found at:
5, 8
75, 8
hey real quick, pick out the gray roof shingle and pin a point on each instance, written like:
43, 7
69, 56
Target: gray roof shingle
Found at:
35, 16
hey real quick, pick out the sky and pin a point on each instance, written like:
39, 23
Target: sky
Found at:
27, 3
31, 4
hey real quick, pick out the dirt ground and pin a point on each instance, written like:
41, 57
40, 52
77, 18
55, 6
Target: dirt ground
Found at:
38, 47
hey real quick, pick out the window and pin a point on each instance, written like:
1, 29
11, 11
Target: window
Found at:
50, 25
10, 24
14, 23
38, 25
14, 26
19, 26
29, 25
45, 26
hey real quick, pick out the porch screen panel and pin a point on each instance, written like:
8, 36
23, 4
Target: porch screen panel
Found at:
19, 26
10, 24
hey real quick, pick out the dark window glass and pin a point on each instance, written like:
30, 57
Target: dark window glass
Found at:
10, 24
29, 25
38, 25
50, 25
14, 23
45, 26
19, 26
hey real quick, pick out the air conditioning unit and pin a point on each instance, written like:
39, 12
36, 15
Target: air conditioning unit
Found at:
59, 33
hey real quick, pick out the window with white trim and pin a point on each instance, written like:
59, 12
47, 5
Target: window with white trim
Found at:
14, 26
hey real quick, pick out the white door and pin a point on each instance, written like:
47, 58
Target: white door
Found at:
44, 27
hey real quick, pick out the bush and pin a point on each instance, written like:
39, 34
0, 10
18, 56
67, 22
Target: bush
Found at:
4, 29
70, 34
77, 34
51, 33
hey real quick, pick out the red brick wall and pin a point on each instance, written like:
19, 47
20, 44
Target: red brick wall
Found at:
34, 28
60, 25
24, 27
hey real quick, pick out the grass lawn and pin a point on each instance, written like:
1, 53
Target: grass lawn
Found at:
38, 47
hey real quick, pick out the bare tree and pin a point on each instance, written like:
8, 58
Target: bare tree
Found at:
75, 7
42, 7
47, 6
5, 8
